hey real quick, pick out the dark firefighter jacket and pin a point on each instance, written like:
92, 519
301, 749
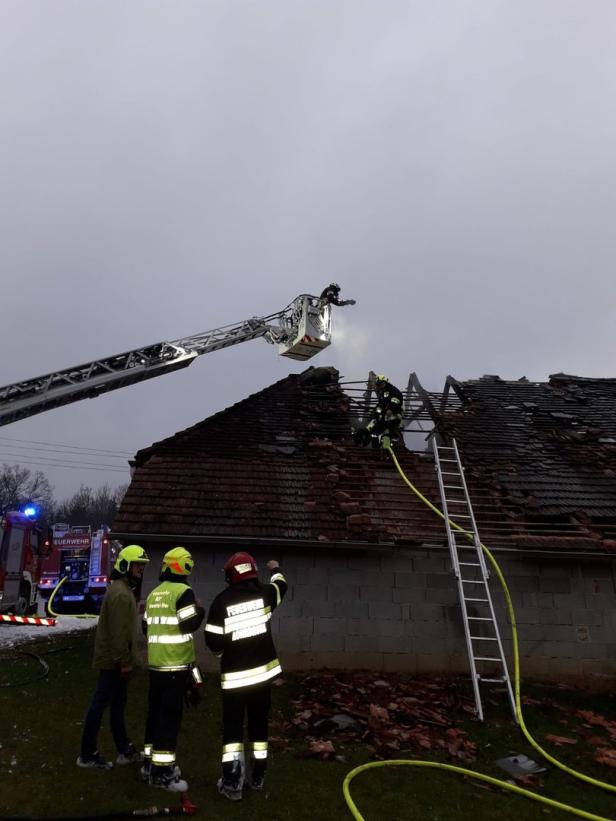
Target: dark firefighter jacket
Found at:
389, 403
238, 630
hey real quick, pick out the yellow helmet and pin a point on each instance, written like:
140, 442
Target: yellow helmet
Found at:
178, 561
129, 554
381, 378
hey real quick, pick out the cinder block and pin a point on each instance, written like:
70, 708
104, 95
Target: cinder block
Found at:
524, 584
569, 600
358, 644
600, 601
442, 596
592, 618
411, 580
369, 627
554, 568
394, 644
297, 626
399, 663
372, 593
398, 564
325, 609
367, 564
554, 616
327, 643
409, 594
428, 630
327, 626
384, 610
350, 610
434, 564
555, 584
598, 568
440, 580
313, 575
427, 612
342, 592
310, 592
528, 615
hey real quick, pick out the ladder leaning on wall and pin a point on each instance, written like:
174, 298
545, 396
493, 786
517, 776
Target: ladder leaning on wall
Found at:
483, 641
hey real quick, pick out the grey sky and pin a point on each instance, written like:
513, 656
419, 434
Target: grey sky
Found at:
169, 167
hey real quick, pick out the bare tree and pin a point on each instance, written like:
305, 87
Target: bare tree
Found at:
19, 485
91, 507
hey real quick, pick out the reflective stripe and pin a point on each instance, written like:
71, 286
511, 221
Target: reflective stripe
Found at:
232, 752
187, 612
177, 639
163, 758
259, 749
231, 757
277, 577
247, 621
245, 678
278, 596
170, 668
214, 628
248, 614
244, 607
147, 750
162, 620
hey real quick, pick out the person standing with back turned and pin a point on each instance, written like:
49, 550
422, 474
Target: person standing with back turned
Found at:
238, 631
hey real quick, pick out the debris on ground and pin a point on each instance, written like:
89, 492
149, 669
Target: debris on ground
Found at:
387, 716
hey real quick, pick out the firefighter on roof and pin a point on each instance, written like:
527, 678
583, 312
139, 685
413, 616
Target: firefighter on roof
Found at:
331, 295
171, 616
114, 658
238, 631
386, 417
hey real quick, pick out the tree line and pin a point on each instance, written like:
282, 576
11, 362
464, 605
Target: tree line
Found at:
87, 506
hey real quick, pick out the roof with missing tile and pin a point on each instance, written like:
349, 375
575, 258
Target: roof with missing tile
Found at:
280, 465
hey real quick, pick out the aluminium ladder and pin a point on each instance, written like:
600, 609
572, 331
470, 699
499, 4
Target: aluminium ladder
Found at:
483, 641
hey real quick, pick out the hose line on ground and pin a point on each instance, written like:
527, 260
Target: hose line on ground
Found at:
518, 704
66, 615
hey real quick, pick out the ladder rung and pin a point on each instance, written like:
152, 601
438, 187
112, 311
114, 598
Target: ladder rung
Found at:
459, 516
444, 447
478, 618
492, 680
469, 564
486, 658
450, 472
467, 599
453, 487
473, 581
483, 638
455, 461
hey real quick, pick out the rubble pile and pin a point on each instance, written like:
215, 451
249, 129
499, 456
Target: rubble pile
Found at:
388, 716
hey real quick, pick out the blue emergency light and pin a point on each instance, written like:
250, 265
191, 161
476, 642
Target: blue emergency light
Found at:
31, 511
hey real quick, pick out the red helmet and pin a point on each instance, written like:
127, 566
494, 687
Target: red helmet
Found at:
239, 567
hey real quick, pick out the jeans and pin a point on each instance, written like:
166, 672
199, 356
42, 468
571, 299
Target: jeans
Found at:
110, 690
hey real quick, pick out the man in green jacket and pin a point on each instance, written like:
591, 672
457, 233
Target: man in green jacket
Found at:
114, 658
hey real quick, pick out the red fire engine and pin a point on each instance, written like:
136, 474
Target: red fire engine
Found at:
23, 546
83, 558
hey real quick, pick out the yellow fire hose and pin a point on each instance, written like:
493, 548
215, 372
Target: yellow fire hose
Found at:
66, 615
518, 706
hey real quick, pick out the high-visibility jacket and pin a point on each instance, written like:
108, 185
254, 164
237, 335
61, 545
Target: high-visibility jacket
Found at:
171, 615
238, 630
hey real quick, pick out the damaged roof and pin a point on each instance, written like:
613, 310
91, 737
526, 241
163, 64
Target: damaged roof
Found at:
548, 449
281, 465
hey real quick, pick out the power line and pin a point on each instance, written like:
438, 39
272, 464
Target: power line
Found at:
75, 466
62, 445
21, 448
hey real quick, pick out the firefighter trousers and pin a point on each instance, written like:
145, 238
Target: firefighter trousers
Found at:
253, 704
165, 707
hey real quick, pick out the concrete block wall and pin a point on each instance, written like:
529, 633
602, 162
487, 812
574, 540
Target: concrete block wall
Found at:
400, 611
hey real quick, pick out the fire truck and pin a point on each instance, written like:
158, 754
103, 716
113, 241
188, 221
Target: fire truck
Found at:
23, 548
83, 558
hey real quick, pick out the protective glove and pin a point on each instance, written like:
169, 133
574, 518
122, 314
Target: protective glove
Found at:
361, 436
192, 697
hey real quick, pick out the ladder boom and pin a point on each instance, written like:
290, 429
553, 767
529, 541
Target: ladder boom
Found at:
27, 398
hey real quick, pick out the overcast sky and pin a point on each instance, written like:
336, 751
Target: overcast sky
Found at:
170, 167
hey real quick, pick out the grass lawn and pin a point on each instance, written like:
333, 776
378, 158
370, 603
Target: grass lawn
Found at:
40, 728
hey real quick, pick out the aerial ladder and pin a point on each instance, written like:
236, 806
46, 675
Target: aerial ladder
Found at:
300, 330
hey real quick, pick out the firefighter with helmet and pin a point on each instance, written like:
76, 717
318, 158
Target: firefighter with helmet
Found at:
114, 658
172, 614
238, 631
386, 417
331, 295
